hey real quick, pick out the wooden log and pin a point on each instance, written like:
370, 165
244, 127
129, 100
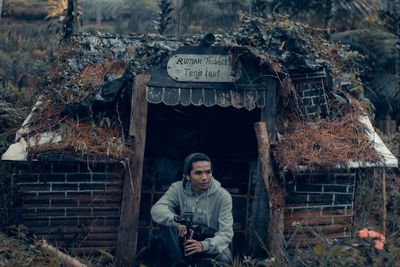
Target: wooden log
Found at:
259, 219
275, 191
64, 258
27, 10
129, 218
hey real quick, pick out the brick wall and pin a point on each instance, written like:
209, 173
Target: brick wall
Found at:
320, 203
312, 92
72, 204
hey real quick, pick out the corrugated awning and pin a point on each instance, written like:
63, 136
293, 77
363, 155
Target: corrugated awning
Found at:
248, 99
212, 76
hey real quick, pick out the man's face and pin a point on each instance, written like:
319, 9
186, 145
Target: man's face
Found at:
200, 176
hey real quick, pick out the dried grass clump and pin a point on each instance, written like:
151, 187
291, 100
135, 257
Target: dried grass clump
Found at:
93, 75
325, 143
87, 139
73, 77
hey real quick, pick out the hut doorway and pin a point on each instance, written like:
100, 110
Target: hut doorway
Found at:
225, 134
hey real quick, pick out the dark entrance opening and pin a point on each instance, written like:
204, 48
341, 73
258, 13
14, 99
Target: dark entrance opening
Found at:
225, 134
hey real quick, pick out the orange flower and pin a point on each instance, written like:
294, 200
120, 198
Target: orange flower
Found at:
363, 233
374, 234
379, 245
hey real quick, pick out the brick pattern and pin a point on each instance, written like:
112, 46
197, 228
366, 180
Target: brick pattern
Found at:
311, 88
72, 204
319, 203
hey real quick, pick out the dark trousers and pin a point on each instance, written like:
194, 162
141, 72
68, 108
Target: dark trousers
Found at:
174, 246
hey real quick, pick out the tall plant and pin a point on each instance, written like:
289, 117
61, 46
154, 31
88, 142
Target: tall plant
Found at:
164, 18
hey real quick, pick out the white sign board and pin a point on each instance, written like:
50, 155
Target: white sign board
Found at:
202, 68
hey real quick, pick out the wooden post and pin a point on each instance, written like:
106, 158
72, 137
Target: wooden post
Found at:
259, 218
275, 192
129, 217
384, 201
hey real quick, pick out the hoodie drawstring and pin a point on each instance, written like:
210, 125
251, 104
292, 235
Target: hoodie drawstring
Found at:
207, 214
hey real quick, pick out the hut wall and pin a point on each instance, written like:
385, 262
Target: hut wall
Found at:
75, 205
319, 203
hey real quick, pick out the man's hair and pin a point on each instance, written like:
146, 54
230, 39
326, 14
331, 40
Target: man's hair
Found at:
192, 158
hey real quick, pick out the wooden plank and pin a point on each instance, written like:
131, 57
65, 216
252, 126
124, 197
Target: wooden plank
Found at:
80, 235
309, 221
70, 229
312, 239
320, 220
88, 250
320, 229
276, 192
129, 220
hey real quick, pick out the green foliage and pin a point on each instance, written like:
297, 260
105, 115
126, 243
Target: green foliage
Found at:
327, 13
210, 16
164, 19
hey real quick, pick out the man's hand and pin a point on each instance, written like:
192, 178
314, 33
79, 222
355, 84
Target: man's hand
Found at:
182, 230
192, 246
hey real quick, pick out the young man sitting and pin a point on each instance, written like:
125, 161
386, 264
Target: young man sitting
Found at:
200, 199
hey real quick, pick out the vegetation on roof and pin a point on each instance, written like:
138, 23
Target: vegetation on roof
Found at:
87, 64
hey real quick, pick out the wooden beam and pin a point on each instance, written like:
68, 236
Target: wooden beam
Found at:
268, 114
275, 191
129, 218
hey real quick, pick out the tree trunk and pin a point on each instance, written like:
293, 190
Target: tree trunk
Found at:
129, 217
69, 20
1, 8
275, 191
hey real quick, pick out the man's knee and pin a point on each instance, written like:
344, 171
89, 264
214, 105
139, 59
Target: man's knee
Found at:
225, 256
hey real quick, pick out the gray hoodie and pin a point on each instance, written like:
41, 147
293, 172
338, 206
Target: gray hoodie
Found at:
212, 208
